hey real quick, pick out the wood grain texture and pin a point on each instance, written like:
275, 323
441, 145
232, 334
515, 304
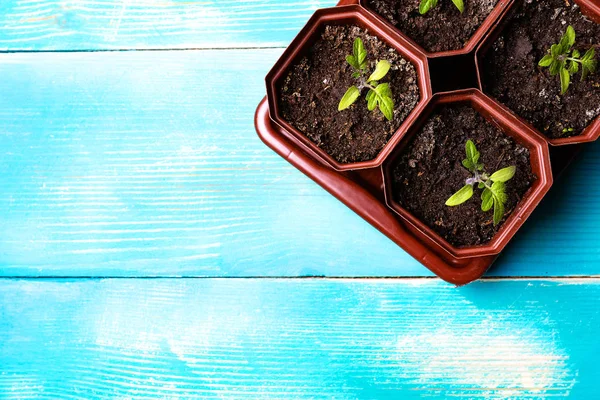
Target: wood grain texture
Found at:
142, 164
298, 339
143, 24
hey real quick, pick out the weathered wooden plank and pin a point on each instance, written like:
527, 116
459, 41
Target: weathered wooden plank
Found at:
147, 164
300, 339
142, 24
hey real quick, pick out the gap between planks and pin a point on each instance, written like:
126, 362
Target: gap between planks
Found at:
142, 50
390, 279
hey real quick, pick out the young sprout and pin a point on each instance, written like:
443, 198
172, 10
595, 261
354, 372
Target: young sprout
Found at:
493, 195
567, 130
379, 94
563, 60
427, 5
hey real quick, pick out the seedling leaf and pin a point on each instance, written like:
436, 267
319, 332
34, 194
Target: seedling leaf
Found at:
349, 98
386, 105
498, 211
573, 68
384, 90
427, 5
499, 191
569, 37
460, 5
487, 200
555, 67
546, 61
589, 55
468, 164
352, 61
371, 100
461, 196
588, 63
556, 50
381, 70
565, 80
472, 153
359, 52
503, 175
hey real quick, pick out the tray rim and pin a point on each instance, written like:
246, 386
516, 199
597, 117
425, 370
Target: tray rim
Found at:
367, 206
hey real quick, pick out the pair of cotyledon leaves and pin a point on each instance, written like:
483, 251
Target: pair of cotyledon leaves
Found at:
427, 5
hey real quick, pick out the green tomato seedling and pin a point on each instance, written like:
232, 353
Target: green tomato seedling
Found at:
565, 61
427, 5
494, 193
379, 94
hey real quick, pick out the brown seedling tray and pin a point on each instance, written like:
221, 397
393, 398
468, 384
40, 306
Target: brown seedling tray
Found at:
362, 187
362, 191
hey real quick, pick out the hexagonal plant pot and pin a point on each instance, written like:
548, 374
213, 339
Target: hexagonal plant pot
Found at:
442, 43
539, 161
352, 15
507, 73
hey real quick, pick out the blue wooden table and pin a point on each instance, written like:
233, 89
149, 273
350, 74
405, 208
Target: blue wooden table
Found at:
152, 247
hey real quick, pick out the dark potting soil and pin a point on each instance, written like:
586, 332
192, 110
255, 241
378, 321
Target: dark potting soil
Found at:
511, 73
430, 170
443, 28
310, 93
